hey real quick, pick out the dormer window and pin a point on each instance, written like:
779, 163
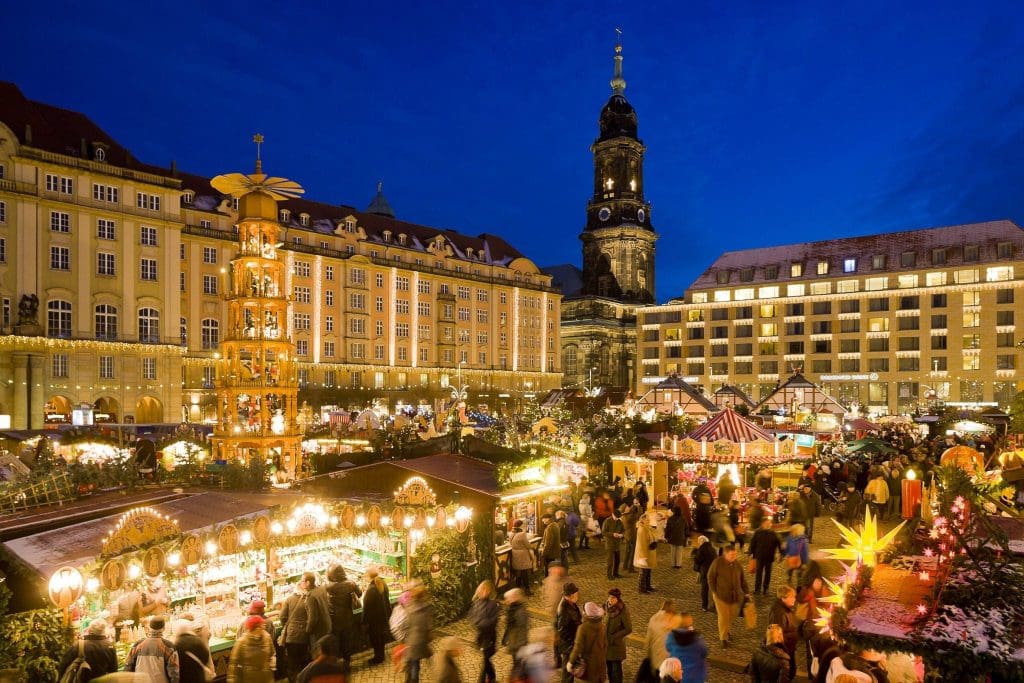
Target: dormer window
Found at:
822, 267
350, 225
304, 219
386, 235
284, 215
188, 197
469, 252
771, 272
878, 262
849, 265
401, 239
796, 269
100, 154
747, 275
722, 277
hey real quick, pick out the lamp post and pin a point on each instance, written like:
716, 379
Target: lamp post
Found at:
590, 382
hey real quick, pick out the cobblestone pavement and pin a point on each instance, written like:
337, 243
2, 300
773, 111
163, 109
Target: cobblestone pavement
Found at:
679, 584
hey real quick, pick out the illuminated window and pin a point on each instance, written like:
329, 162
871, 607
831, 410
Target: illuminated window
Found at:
768, 292
935, 279
795, 290
906, 281
849, 265
822, 267
796, 269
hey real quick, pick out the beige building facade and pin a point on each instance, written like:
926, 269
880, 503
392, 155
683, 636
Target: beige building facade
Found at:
128, 264
889, 323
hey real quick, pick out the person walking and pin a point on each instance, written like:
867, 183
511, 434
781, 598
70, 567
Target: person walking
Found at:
703, 555
617, 626
551, 542
447, 671
646, 556
195, 665
813, 503
675, 534
419, 624
764, 547
797, 509
642, 497
517, 624
587, 521
95, 648
589, 650
853, 506
895, 481
728, 586
154, 655
770, 663
687, 645
295, 626
568, 618
252, 654
876, 493
327, 667
575, 532
613, 532
483, 615
783, 614
603, 508
564, 544
797, 552
551, 590
376, 613
537, 658
663, 622
343, 598
257, 608
670, 671
629, 515
523, 559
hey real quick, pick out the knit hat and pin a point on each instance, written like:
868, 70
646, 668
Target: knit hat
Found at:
701, 540
254, 622
257, 607
569, 589
593, 610
156, 624
615, 592
97, 627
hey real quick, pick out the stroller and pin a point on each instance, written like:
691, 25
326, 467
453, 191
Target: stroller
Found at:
831, 498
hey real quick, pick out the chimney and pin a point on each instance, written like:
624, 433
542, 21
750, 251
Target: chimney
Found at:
174, 169
85, 150
28, 133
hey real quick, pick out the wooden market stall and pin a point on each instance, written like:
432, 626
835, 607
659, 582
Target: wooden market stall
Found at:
732, 396
674, 396
800, 399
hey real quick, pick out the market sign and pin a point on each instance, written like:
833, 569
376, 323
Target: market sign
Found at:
867, 376
136, 528
415, 491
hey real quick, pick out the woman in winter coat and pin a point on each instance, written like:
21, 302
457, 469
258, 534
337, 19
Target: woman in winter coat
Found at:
591, 645
193, 655
447, 652
294, 622
586, 515
703, 555
523, 557
770, 662
702, 515
675, 534
419, 623
483, 615
783, 615
251, 655
645, 557
617, 626
517, 624
660, 625
796, 547
376, 613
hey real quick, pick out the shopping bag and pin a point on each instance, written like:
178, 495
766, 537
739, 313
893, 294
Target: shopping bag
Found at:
749, 614
751, 565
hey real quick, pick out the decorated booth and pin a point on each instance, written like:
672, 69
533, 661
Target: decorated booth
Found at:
210, 556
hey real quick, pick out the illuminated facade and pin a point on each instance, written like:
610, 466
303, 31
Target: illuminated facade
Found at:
889, 322
599, 315
129, 265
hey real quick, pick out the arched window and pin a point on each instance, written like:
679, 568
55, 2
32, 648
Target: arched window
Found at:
58, 319
106, 322
570, 360
149, 326
210, 333
184, 331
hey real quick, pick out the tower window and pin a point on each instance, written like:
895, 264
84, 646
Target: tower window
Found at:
609, 184
632, 185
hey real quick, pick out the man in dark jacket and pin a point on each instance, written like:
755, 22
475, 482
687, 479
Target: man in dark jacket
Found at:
675, 534
550, 544
688, 646
764, 546
572, 526
98, 651
813, 503
376, 613
629, 515
853, 506
568, 618
326, 668
194, 659
419, 622
703, 555
613, 531
343, 595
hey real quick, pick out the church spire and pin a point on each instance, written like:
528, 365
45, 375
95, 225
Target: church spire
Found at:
618, 83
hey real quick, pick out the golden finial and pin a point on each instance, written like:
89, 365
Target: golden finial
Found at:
258, 139
618, 83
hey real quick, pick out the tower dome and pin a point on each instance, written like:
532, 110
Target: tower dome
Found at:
618, 119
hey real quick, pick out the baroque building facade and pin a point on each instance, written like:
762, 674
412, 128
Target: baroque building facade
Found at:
599, 311
890, 323
113, 282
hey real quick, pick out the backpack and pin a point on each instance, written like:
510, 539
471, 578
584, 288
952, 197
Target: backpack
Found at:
79, 668
397, 624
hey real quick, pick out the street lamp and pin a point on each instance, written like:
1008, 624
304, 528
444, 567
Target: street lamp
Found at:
590, 382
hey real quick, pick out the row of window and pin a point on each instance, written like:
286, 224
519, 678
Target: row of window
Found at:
100, 192
818, 366
105, 367
60, 259
939, 256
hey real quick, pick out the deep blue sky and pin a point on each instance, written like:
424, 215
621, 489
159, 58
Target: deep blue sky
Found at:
765, 122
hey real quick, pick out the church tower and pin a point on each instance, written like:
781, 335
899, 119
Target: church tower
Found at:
618, 240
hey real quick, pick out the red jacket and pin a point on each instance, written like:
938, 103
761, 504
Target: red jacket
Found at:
602, 507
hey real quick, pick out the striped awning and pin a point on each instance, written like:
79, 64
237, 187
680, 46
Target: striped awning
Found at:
730, 425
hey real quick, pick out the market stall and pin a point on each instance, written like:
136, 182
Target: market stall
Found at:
674, 396
211, 555
653, 471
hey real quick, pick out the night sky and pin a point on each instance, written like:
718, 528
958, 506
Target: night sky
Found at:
765, 122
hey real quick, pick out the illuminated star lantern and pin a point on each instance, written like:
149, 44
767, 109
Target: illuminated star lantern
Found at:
838, 595
865, 546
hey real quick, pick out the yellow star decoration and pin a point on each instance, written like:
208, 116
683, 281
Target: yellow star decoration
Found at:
865, 546
838, 595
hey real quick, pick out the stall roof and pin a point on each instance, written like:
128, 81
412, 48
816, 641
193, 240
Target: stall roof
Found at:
79, 543
730, 425
457, 469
